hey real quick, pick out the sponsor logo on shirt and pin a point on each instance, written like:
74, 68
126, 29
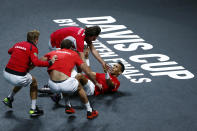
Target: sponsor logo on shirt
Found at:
20, 47
63, 52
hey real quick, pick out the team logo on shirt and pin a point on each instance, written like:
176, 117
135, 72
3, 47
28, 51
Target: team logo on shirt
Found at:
35, 54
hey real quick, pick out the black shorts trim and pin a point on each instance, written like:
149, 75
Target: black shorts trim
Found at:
15, 72
59, 81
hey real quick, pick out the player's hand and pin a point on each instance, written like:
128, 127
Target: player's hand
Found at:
99, 85
107, 68
54, 58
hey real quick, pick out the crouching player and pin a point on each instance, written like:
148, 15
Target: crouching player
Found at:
60, 80
23, 55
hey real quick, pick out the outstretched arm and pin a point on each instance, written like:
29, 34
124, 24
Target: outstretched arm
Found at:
109, 82
96, 55
90, 74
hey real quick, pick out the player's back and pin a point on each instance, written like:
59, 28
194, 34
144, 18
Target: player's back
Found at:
66, 60
60, 34
20, 53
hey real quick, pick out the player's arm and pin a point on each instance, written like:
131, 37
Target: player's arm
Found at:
109, 82
86, 70
37, 62
90, 74
44, 58
81, 54
96, 54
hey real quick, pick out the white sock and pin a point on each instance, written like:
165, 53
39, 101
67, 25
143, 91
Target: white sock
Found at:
67, 101
88, 107
11, 95
33, 104
87, 62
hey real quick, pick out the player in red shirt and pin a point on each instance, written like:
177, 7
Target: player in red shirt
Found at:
108, 80
78, 36
60, 80
24, 55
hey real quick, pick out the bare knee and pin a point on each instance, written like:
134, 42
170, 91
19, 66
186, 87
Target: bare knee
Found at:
82, 79
33, 85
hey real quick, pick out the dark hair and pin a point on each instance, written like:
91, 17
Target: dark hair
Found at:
33, 35
92, 31
122, 66
66, 44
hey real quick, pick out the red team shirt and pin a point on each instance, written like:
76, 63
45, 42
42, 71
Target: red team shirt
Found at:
61, 34
66, 60
100, 77
22, 54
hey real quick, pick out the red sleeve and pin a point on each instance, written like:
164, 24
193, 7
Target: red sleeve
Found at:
10, 50
78, 60
116, 86
35, 60
47, 55
80, 44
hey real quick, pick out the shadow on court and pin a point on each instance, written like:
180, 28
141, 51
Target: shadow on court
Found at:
32, 124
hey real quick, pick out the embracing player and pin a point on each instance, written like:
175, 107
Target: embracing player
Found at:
60, 80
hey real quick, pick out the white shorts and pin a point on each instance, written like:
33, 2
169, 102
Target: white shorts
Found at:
18, 80
68, 86
89, 88
73, 73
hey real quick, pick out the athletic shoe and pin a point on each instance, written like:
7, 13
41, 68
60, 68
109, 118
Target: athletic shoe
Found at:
69, 110
8, 102
56, 98
92, 115
36, 112
45, 89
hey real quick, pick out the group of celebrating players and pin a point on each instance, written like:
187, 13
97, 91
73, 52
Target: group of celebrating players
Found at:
69, 47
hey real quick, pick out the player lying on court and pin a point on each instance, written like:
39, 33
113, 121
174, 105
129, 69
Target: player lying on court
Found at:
108, 80
23, 55
60, 72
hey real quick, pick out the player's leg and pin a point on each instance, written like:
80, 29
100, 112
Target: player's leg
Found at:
88, 85
10, 98
18, 82
84, 99
34, 111
72, 85
69, 109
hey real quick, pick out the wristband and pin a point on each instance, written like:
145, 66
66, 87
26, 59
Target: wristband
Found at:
87, 62
107, 75
50, 62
